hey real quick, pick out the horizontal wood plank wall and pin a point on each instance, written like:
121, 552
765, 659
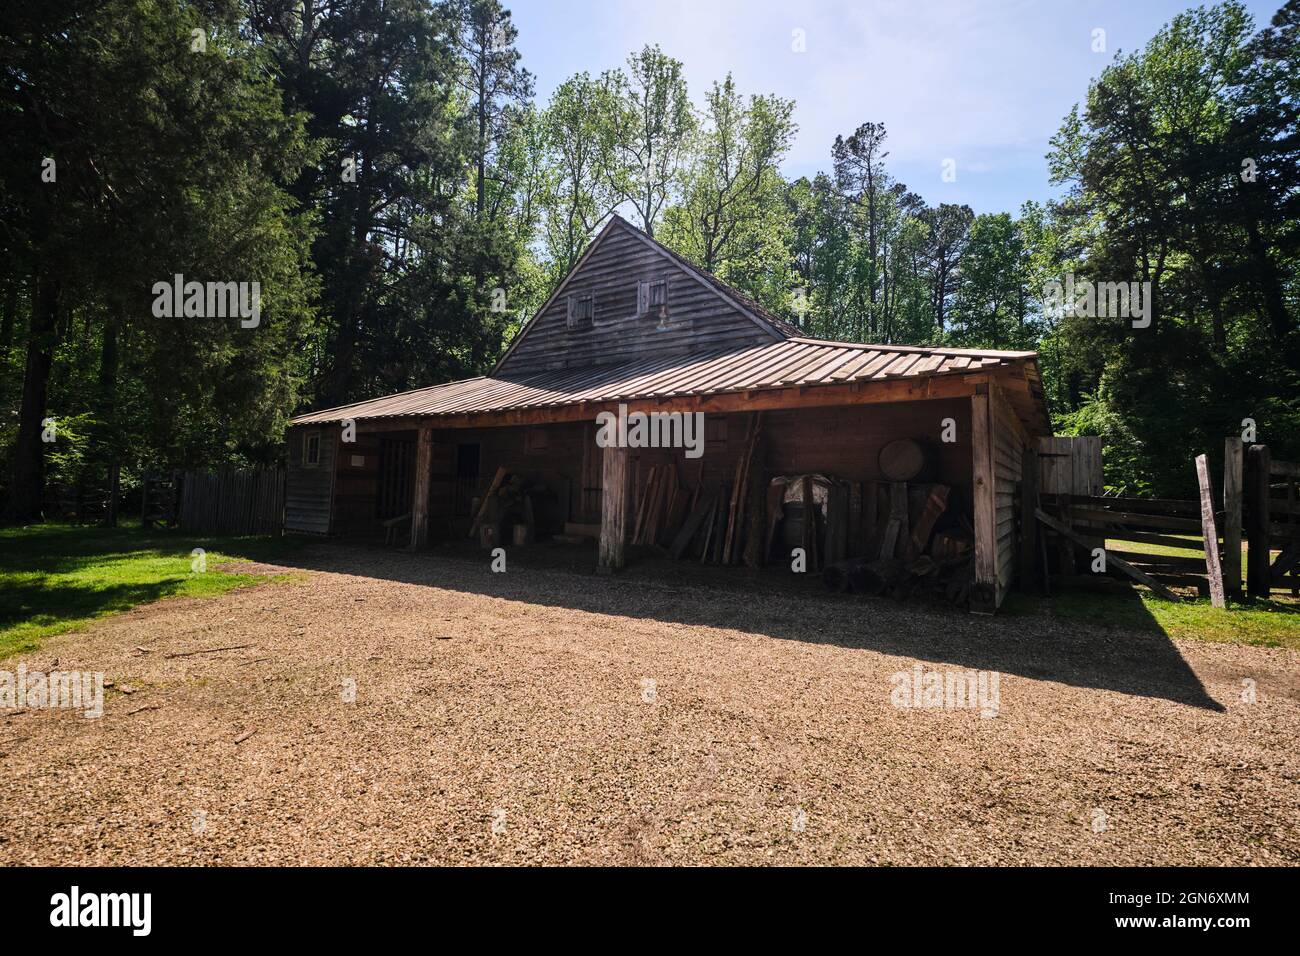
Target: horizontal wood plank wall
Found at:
309, 489
699, 318
985, 586
845, 441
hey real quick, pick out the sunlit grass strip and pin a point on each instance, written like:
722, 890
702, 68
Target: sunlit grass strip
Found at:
58, 578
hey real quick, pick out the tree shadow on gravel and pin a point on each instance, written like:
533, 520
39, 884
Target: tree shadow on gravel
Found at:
1140, 662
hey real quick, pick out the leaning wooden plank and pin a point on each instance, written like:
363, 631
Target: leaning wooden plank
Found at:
775, 512
1111, 561
497, 479
896, 529
693, 522
890, 538
737, 513
935, 504
1209, 532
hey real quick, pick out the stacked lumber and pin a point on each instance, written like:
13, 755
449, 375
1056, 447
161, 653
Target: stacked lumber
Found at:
660, 506
722, 524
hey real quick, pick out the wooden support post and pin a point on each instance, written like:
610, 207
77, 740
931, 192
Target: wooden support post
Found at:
613, 509
1232, 460
1210, 533
1028, 521
420, 493
1258, 576
984, 591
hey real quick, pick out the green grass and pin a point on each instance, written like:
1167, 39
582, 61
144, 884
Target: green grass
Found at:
56, 578
1274, 623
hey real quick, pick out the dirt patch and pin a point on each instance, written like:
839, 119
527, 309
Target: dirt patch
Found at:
393, 708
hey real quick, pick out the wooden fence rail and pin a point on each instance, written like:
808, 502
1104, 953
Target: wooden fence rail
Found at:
1260, 508
232, 501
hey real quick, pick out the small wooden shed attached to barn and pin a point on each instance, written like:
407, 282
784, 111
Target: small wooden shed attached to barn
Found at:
907, 450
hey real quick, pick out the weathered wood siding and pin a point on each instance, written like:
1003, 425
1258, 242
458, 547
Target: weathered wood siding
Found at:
998, 443
1070, 466
699, 318
309, 489
1008, 453
232, 501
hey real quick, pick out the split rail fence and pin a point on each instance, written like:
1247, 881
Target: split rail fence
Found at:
1260, 505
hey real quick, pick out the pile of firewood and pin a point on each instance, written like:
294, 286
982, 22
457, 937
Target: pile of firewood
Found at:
904, 556
946, 579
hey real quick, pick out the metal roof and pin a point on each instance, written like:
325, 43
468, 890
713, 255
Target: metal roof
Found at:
792, 361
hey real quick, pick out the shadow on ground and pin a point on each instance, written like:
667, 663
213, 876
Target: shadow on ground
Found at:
1138, 660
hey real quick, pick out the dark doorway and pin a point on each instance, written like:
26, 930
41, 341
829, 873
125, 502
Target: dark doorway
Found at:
396, 461
467, 475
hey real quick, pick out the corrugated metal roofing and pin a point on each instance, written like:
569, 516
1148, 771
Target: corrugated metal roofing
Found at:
793, 361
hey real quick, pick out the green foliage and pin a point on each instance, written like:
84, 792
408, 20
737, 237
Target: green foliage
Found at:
732, 218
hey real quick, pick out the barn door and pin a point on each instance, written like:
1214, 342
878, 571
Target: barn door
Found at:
396, 464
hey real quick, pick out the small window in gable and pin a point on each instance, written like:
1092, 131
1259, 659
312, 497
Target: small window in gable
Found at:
311, 449
582, 309
652, 298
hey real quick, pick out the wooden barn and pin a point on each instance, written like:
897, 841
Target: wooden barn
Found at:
879, 462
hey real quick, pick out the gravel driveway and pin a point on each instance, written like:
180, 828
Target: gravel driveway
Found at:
420, 709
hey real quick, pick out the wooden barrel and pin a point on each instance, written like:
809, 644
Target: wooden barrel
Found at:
901, 460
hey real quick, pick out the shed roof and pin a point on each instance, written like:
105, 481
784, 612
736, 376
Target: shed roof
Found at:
794, 361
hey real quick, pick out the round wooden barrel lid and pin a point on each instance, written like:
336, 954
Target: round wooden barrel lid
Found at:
901, 460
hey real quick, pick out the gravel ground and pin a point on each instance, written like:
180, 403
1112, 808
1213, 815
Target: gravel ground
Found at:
548, 716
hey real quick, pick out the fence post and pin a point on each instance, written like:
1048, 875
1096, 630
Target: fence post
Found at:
1209, 533
1260, 549
1232, 462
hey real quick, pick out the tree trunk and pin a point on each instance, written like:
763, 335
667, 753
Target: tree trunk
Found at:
1266, 271
10, 311
28, 477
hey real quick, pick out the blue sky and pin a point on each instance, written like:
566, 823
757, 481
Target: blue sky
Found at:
983, 83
